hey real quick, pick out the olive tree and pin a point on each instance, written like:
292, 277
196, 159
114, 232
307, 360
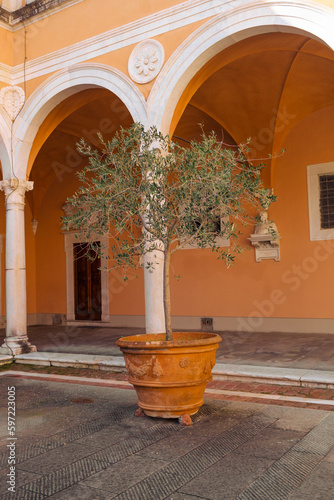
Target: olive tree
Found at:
151, 196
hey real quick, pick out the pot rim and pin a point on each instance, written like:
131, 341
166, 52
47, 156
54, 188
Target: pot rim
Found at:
156, 340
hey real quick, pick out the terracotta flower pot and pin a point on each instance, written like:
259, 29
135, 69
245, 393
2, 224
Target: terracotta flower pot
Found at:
170, 377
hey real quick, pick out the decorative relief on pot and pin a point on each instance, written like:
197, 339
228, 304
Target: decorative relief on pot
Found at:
12, 100
138, 371
145, 61
208, 367
184, 363
157, 369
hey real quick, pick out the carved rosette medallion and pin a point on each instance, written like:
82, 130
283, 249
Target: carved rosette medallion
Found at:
184, 363
12, 100
145, 61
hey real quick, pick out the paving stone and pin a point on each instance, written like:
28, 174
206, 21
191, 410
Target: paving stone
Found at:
175, 475
287, 473
21, 494
271, 444
133, 425
44, 444
296, 419
21, 477
242, 409
173, 446
330, 456
105, 437
55, 459
213, 427
184, 496
65, 477
124, 474
82, 492
227, 478
319, 485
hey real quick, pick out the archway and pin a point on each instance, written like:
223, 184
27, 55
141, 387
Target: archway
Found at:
69, 288
46, 151
272, 87
54, 91
239, 23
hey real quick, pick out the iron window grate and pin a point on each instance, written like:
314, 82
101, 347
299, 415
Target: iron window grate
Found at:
326, 183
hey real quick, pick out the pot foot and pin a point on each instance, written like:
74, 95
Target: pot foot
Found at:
140, 413
185, 420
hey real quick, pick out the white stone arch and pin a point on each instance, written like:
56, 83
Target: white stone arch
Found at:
62, 85
237, 23
5, 144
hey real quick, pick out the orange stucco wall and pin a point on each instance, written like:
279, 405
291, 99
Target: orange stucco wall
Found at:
297, 286
124, 297
47, 281
44, 36
300, 284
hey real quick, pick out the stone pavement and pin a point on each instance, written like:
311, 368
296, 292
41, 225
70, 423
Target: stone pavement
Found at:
80, 440
305, 351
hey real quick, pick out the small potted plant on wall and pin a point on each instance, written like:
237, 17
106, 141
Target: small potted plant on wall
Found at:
154, 197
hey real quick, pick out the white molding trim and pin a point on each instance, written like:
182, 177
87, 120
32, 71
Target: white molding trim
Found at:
69, 240
170, 19
5, 126
239, 21
313, 173
62, 85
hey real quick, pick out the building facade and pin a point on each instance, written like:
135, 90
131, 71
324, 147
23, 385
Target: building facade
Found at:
262, 70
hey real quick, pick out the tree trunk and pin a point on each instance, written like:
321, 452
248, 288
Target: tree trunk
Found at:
167, 308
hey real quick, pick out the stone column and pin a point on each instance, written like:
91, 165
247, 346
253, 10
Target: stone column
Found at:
16, 341
154, 309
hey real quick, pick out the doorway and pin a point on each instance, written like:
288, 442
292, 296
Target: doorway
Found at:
87, 281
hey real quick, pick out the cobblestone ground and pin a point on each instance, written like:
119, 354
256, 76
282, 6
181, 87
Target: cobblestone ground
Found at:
81, 441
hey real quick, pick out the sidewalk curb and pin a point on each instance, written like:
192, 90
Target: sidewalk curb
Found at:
273, 375
221, 371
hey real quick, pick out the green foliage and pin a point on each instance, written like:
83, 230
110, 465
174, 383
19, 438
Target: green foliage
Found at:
153, 195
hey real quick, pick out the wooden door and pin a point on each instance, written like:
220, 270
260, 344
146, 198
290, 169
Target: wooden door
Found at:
87, 288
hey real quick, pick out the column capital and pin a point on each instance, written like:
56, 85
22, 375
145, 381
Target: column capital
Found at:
15, 190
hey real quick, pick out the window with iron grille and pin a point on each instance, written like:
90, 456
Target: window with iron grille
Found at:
320, 181
326, 184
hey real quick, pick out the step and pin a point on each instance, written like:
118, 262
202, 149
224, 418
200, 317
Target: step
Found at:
221, 371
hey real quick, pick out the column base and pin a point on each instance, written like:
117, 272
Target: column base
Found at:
14, 347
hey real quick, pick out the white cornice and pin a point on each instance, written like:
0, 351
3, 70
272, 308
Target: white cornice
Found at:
17, 24
161, 22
